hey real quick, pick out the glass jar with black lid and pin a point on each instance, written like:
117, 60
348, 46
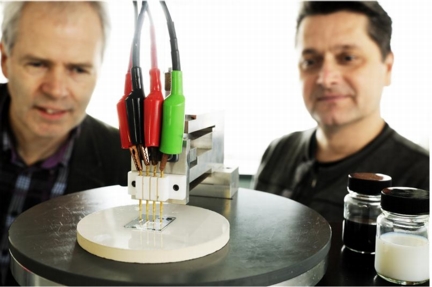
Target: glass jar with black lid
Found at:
361, 209
402, 244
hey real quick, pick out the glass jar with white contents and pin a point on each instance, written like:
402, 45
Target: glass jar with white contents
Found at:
402, 243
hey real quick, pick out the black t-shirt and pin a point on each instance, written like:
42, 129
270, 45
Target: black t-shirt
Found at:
288, 168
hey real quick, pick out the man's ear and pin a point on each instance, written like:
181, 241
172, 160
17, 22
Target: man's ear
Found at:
388, 62
4, 58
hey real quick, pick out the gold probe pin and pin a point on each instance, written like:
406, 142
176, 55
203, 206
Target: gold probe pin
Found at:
140, 210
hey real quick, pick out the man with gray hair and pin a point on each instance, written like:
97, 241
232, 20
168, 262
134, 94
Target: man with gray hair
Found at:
51, 54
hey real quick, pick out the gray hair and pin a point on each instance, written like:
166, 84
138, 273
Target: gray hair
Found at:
12, 11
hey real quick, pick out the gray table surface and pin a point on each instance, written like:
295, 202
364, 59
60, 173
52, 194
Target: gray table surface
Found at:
272, 239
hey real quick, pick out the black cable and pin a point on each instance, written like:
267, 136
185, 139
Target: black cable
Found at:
134, 102
137, 36
175, 55
135, 14
136, 70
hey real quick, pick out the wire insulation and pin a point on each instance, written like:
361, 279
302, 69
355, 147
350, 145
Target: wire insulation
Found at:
175, 55
154, 62
137, 36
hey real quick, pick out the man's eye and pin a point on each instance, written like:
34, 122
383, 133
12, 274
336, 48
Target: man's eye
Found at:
36, 64
308, 64
35, 67
348, 58
79, 70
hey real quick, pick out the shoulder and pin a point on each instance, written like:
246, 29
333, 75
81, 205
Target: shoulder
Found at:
280, 160
3, 93
406, 162
98, 127
3, 88
98, 134
409, 146
286, 150
98, 159
293, 141
401, 147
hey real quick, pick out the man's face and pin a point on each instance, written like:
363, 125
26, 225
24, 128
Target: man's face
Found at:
52, 69
341, 69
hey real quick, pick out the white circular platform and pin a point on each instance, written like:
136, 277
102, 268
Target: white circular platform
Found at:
196, 232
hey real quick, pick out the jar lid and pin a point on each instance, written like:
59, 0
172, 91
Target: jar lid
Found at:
368, 183
405, 200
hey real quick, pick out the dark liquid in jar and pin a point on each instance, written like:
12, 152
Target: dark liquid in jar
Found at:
359, 236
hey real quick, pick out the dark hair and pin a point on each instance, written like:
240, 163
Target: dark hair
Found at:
380, 23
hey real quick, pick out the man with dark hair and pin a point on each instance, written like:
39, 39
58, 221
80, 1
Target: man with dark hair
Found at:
345, 61
51, 54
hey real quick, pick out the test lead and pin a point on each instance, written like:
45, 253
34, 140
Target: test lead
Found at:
135, 100
153, 104
121, 111
173, 114
126, 121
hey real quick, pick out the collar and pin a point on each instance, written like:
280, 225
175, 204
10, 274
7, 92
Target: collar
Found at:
61, 156
385, 132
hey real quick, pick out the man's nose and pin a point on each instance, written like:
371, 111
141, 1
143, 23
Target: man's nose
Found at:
329, 75
55, 83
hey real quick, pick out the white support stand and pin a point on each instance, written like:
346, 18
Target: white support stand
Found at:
195, 232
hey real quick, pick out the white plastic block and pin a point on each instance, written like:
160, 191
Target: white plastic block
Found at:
146, 187
131, 178
139, 187
171, 186
163, 189
153, 188
177, 186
